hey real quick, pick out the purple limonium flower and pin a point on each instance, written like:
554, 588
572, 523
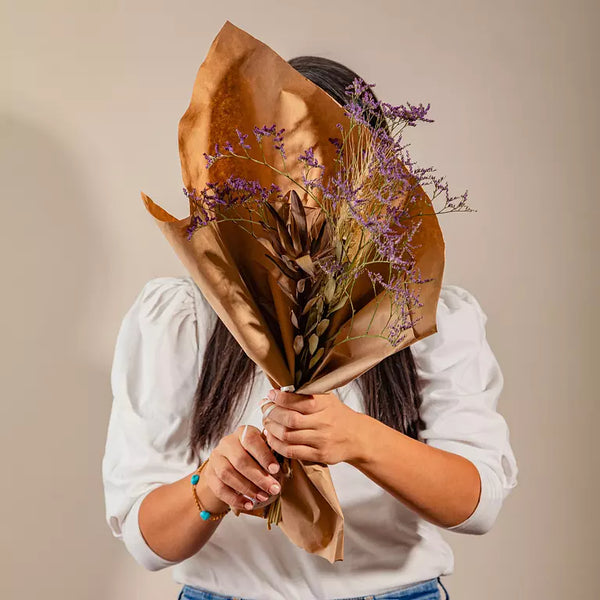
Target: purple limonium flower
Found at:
211, 158
278, 142
369, 199
216, 197
308, 157
259, 132
242, 137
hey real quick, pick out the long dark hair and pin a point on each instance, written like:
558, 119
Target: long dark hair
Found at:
390, 389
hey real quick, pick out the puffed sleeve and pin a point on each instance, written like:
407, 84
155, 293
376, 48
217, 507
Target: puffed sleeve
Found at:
461, 384
155, 371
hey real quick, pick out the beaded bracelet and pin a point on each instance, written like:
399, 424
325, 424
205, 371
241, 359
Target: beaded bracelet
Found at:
204, 514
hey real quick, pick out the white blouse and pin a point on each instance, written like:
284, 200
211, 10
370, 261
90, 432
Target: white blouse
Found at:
156, 366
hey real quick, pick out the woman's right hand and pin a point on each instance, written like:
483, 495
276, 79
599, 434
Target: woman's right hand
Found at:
237, 468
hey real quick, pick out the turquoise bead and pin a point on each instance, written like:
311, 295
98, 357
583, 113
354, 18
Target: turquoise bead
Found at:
205, 515
195, 478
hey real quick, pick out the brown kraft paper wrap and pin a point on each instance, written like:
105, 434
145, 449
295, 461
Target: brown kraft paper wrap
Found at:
243, 83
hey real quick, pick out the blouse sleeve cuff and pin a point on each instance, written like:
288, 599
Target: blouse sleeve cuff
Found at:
137, 545
489, 505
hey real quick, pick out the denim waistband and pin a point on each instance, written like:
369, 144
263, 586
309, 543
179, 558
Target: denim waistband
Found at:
426, 590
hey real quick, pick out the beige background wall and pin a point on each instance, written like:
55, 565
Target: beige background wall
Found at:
91, 96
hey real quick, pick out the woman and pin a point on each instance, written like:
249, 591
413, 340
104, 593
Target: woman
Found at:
415, 444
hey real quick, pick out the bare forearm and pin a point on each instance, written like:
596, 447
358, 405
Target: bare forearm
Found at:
440, 486
170, 523
238, 470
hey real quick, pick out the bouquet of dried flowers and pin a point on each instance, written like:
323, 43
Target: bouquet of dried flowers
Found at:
321, 264
365, 225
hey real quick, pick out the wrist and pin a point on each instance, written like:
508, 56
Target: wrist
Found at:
359, 453
208, 499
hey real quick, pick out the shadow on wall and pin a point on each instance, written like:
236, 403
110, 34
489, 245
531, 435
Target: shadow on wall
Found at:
55, 401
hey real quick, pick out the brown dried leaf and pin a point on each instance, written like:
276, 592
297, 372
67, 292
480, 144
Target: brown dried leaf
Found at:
301, 285
313, 342
272, 235
289, 263
286, 292
306, 264
284, 236
316, 243
326, 239
274, 213
266, 243
295, 235
286, 240
282, 267
299, 217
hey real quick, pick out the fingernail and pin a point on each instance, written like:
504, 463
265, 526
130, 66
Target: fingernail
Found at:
262, 497
274, 489
248, 505
273, 468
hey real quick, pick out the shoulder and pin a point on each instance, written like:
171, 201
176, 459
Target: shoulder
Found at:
459, 308
159, 345
169, 317
161, 292
460, 322
162, 299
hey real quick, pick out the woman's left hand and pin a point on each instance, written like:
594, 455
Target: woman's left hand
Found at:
313, 427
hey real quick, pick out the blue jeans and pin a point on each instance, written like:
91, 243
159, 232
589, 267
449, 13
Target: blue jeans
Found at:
427, 590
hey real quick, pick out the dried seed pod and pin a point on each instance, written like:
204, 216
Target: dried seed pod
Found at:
301, 285
329, 289
294, 319
315, 358
322, 327
339, 304
309, 304
311, 324
313, 342
338, 250
298, 344
319, 306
